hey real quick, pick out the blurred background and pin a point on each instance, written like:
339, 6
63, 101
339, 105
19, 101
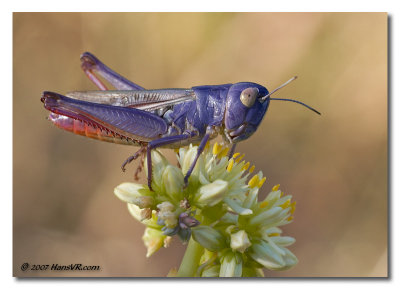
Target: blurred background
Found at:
334, 165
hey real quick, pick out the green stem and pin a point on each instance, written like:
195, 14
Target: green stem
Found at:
191, 259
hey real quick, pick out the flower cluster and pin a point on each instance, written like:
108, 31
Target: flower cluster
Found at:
219, 209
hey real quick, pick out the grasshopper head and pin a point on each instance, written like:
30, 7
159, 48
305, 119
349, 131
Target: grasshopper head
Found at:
246, 105
245, 108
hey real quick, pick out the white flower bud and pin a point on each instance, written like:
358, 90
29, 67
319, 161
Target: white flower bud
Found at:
283, 241
188, 159
136, 212
264, 254
266, 217
213, 271
134, 194
130, 192
173, 182
240, 241
212, 194
231, 266
272, 197
166, 206
144, 202
236, 207
208, 237
159, 162
290, 259
167, 214
170, 218
153, 240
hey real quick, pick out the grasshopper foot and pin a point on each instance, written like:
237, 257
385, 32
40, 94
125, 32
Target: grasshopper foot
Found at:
140, 152
185, 182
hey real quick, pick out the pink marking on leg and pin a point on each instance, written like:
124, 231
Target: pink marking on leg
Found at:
95, 79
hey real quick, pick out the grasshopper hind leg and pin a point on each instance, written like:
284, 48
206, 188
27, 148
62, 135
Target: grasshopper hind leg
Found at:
140, 166
91, 64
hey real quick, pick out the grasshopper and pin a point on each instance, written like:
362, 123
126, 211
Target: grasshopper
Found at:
169, 118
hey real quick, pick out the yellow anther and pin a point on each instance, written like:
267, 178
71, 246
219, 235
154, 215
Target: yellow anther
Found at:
285, 204
275, 188
235, 155
273, 235
207, 146
176, 151
261, 182
254, 181
246, 166
290, 218
239, 158
223, 152
293, 205
281, 195
230, 165
216, 148
263, 204
252, 169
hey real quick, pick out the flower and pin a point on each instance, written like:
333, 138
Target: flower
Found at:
209, 238
218, 209
240, 241
154, 240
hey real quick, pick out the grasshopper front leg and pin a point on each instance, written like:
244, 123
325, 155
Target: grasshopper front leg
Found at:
200, 149
232, 150
173, 139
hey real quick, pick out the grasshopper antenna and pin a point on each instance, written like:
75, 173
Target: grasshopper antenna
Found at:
299, 102
279, 87
286, 99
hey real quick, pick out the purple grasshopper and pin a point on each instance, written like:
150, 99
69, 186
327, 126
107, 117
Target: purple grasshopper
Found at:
151, 119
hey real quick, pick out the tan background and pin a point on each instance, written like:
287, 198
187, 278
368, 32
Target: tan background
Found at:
335, 165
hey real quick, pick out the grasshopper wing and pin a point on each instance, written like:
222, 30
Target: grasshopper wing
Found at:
148, 100
126, 122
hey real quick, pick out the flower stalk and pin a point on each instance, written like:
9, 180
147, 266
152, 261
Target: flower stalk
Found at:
190, 261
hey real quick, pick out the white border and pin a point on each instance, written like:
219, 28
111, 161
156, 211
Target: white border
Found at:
173, 5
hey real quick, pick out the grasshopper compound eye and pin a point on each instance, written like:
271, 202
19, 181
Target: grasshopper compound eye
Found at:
248, 96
